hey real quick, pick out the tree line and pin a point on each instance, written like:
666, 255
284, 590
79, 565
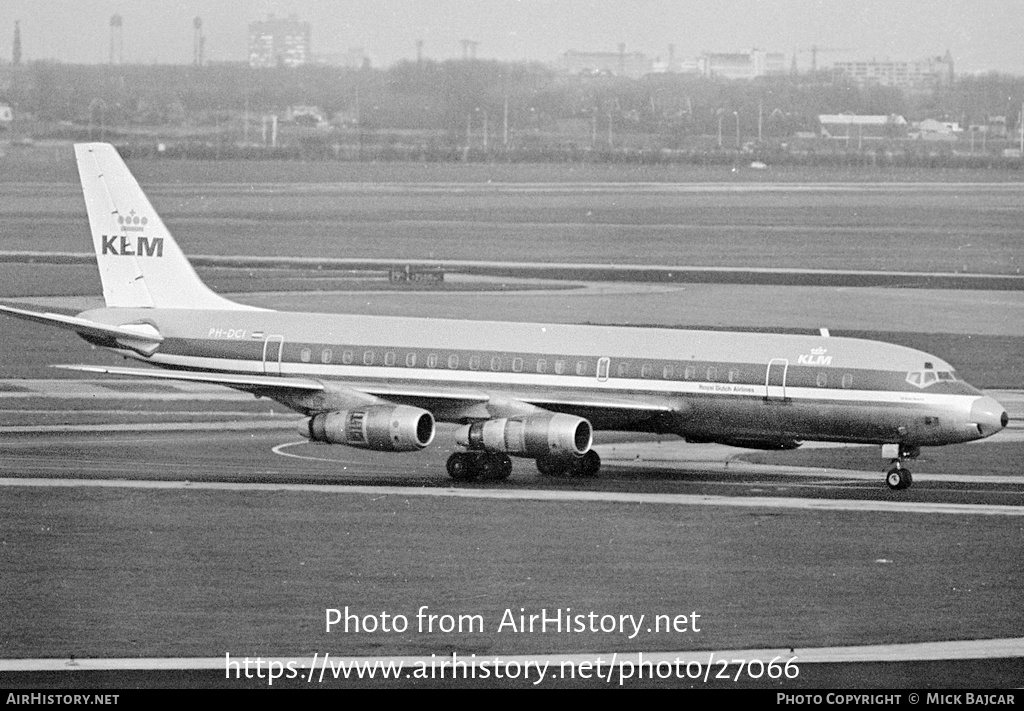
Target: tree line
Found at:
460, 98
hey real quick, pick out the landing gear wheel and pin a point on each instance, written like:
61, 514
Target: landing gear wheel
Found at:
504, 467
462, 467
899, 478
552, 466
494, 466
586, 466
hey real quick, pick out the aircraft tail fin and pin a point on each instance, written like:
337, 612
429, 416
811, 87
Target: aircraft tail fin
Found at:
141, 266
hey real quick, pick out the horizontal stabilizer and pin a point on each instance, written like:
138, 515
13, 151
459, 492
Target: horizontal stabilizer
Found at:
254, 382
84, 326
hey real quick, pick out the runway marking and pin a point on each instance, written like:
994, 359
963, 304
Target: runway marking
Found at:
916, 652
548, 495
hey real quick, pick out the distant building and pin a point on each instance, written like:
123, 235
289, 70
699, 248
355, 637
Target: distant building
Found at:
742, 65
633, 64
276, 42
933, 130
847, 127
921, 74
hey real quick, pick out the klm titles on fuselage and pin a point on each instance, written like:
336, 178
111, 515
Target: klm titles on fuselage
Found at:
816, 357
126, 246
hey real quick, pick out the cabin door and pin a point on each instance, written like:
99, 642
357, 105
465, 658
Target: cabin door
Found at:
775, 382
272, 348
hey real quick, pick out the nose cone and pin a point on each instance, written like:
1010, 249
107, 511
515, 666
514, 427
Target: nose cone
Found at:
988, 416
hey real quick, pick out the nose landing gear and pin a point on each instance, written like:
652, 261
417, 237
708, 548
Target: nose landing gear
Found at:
899, 478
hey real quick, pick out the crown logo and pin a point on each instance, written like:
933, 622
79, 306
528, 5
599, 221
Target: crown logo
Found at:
819, 351
132, 221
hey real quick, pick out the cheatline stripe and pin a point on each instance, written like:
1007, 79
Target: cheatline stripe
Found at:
546, 495
1009, 648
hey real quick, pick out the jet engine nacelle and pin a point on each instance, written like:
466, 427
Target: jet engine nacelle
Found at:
556, 434
387, 428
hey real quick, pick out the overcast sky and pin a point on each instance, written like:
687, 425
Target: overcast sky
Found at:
982, 35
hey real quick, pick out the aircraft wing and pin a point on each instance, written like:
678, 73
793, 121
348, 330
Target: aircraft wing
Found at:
242, 382
446, 403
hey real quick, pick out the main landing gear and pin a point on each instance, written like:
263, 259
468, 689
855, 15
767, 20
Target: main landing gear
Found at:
573, 468
466, 466
899, 478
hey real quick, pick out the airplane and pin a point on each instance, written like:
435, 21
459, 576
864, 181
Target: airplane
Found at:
529, 390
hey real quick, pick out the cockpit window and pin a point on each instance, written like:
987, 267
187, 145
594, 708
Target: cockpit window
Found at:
924, 378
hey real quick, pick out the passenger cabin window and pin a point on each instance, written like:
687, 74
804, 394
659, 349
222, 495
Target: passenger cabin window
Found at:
581, 367
646, 370
496, 363
559, 367
326, 355
691, 372
474, 362
453, 362
410, 360
305, 354
667, 372
346, 357
822, 380
622, 370
517, 365
432, 360
848, 380
542, 365
734, 375
369, 357
712, 374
